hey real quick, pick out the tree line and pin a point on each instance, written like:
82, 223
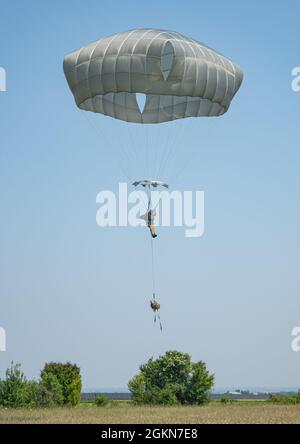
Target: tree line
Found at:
168, 380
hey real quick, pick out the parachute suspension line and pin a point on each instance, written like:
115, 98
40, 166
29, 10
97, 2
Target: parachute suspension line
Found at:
191, 156
149, 197
167, 147
181, 170
172, 146
134, 150
156, 156
158, 146
169, 144
147, 149
127, 151
142, 197
101, 132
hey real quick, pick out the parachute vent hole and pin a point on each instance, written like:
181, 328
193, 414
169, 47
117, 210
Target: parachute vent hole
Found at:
141, 101
167, 60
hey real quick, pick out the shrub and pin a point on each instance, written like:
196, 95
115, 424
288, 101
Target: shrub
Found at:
171, 379
284, 400
101, 400
15, 389
137, 388
49, 391
226, 400
69, 378
167, 396
199, 385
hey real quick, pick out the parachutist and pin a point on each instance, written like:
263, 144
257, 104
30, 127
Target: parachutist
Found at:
151, 213
179, 78
150, 223
149, 219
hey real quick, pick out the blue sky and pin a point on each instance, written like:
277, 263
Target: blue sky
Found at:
72, 291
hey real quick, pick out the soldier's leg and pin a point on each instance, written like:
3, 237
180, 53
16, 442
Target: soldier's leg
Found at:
153, 231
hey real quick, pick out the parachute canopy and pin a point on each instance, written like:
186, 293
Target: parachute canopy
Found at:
179, 76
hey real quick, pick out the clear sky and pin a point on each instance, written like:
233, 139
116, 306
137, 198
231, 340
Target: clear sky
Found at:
72, 291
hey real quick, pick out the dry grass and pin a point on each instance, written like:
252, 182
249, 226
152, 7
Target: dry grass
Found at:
238, 413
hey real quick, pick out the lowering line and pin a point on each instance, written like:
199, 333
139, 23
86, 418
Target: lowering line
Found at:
155, 305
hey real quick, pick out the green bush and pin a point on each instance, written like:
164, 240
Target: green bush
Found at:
171, 379
101, 400
168, 395
49, 391
137, 388
284, 400
59, 384
199, 384
15, 389
226, 400
69, 378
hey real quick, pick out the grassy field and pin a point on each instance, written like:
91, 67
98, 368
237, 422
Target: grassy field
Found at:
214, 413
